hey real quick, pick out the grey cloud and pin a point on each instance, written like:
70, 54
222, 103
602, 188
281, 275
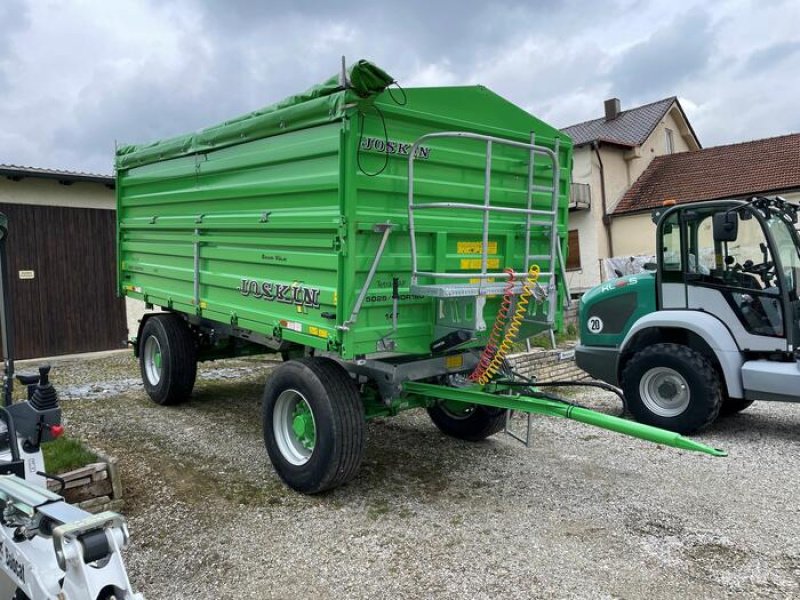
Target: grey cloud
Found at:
14, 16
216, 59
770, 57
671, 55
404, 34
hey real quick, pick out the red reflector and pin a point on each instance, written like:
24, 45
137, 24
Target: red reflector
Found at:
56, 430
621, 283
284, 323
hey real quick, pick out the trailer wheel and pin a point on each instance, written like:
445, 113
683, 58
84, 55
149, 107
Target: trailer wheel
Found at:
673, 387
469, 422
167, 359
731, 406
313, 421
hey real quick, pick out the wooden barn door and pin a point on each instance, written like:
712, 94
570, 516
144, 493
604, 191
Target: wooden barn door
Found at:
62, 275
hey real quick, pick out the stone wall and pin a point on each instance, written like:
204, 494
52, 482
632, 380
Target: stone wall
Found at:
548, 365
95, 488
571, 312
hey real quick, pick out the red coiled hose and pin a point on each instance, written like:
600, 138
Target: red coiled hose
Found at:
497, 329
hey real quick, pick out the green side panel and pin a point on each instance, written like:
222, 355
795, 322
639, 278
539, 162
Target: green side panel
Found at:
262, 212
608, 311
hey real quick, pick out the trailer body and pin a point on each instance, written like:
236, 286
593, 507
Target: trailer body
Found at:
391, 244
271, 223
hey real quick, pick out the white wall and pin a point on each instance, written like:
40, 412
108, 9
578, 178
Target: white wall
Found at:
48, 192
634, 234
589, 224
621, 168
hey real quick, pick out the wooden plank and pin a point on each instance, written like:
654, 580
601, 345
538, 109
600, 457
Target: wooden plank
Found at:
25, 296
87, 492
70, 305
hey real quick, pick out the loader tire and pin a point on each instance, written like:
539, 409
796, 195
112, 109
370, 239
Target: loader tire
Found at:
167, 359
314, 424
673, 387
731, 406
469, 422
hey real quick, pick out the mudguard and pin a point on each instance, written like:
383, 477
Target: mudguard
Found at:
710, 329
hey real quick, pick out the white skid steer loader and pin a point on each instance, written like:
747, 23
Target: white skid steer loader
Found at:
49, 549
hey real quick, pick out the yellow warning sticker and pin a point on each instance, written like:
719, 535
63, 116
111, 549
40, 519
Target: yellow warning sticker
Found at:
455, 361
475, 263
475, 247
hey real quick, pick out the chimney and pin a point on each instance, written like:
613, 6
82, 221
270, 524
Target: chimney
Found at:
612, 108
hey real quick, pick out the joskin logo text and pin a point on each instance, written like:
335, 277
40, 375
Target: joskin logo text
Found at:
278, 292
392, 147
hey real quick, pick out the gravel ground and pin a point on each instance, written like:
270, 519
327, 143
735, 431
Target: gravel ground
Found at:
582, 513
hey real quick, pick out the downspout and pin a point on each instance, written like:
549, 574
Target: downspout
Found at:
606, 218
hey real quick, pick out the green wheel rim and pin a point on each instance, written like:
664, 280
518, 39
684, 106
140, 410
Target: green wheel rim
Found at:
457, 410
294, 427
152, 360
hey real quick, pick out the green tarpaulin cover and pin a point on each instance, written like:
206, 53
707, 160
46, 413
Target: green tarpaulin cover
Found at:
319, 104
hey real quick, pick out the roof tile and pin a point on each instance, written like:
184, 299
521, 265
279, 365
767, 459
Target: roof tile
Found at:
22, 171
735, 170
630, 128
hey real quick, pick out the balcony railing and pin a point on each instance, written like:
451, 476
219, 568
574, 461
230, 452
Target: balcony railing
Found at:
580, 196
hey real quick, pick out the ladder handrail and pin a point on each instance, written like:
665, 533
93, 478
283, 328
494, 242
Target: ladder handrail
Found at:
486, 207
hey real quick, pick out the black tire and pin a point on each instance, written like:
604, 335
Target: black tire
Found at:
686, 403
322, 388
469, 422
172, 379
731, 406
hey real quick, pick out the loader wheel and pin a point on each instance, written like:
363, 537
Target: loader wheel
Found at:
469, 422
313, 424
673, 387
731, 406
167, 359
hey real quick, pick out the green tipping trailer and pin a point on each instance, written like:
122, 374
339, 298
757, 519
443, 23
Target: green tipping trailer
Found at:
370, 235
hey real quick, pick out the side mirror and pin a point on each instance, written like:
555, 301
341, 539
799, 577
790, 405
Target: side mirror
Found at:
726, 227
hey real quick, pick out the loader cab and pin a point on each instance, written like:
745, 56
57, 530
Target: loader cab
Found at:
737, 260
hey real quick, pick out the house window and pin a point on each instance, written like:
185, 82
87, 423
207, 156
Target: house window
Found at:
670, 141
573, 251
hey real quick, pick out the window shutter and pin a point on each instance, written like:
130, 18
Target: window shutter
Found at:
573, 251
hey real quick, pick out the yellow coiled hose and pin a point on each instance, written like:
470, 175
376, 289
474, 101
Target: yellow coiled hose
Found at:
513, 327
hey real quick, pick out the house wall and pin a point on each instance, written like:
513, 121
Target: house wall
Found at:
621, 167
588, 222
635, 234
49, 192
656, 145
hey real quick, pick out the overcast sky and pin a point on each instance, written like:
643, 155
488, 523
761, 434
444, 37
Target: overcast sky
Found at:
76, 75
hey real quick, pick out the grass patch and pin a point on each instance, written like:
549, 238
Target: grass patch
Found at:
66, 454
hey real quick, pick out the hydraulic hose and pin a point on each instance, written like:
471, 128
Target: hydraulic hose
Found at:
513, 327
497, 329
